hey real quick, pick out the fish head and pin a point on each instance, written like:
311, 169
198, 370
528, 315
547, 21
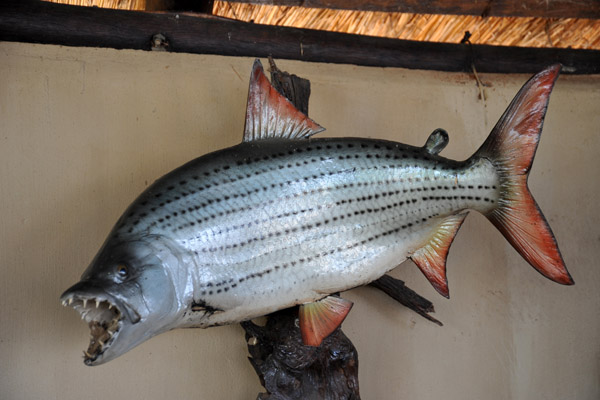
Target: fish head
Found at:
127, 295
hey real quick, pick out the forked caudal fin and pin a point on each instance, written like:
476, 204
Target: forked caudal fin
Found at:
511, 148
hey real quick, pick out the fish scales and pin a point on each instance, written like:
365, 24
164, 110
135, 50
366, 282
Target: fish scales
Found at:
304, 215
279, 221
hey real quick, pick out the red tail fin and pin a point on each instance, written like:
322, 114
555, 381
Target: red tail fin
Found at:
511, 147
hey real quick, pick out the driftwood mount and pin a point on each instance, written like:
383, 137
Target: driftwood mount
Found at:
287, 368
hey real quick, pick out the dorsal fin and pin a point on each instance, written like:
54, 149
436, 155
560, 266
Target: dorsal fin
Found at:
271, 115
320, 318
437, 141
431, 258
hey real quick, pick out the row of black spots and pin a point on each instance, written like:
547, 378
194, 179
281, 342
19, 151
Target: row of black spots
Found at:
262, 203
304, 162
294, 263
439, 198
295, 195
289, 164
266, 236
338, 249
386, 156
342, 217
471, 187
306, 227
262, 273
241, 209
383, 234
486, 187
265, 157
276, 217
305, 178
455, 197
264, 220
218, 291
369, 197
378, 146
218, 284
199, 221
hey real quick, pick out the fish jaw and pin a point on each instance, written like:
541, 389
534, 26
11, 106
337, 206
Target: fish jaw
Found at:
115, 327
123, 313
105, 317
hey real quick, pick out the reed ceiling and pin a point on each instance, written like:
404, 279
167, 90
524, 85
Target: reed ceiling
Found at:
575, 33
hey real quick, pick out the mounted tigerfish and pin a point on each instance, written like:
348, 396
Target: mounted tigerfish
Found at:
279, 221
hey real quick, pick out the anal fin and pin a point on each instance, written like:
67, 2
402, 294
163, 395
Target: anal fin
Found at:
320, 318
431, 258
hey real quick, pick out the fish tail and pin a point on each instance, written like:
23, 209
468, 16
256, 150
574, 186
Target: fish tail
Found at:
511, 148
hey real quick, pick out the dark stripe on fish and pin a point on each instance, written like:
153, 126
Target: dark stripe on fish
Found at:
298, 262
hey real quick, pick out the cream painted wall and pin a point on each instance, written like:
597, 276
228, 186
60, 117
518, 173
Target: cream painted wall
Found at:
83, 131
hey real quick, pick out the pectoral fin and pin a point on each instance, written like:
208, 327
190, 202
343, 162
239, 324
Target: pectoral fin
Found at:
431, 258
320, 318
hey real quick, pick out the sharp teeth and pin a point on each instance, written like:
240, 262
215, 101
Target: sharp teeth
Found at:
84, 303
110, 306
70, 300
97, 303
101, 342
64, 303
88, 355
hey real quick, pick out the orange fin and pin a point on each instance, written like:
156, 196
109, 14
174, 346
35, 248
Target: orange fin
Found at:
271, 115
511, 148
320, 318
431, 258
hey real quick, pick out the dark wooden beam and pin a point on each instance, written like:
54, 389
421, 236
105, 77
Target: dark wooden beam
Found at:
42, 22
484, 8
200, 6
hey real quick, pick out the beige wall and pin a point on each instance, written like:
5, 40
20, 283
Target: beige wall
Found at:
83, 131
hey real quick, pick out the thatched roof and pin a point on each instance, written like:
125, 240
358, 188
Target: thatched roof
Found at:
573, 33
504, 31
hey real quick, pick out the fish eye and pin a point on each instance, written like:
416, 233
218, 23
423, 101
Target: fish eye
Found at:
122, 270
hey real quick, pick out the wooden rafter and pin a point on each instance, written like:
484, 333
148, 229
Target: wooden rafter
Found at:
42, 22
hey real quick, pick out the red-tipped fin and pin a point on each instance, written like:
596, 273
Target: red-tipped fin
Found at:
524, 226
320, 318
271, 115
431, 258
511, 148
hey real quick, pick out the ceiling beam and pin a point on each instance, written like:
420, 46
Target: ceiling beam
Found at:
50, 23
201, 6
484, 8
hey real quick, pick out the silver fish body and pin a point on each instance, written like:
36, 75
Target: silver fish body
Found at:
274, 223
280, 220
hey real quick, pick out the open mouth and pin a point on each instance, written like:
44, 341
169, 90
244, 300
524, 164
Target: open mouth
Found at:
104, 320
